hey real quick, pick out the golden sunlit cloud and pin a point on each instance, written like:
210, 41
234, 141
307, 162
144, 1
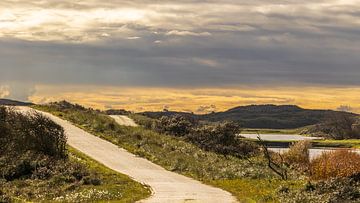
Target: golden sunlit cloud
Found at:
92, 20
200, 100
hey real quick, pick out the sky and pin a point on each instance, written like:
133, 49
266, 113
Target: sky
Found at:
187, 55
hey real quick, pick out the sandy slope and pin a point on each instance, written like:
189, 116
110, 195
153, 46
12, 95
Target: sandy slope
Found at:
167, 186
124, 120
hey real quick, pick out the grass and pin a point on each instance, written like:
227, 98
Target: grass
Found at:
229, 173
114, 183
257, 190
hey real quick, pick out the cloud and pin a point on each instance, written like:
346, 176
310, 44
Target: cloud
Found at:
345, 108
180, 43
4, 91
17, 91
187, 33
133, 37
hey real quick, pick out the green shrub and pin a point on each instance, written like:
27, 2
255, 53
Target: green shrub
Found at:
30, 132
222, 138
175, 125
328, 191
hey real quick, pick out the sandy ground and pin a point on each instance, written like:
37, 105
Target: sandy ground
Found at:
124, 120
167, 187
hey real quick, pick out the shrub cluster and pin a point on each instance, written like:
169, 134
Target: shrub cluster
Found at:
336, 175
220, 137
30, 132
34, 158
298, 156
335, 164
175, 125
334, 190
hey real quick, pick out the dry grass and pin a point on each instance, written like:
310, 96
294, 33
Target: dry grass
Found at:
296, 158
335, 164
298, 155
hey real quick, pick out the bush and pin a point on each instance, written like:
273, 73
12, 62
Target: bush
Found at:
30, 132
298, 156
175, 125
335, 164
26, 141
328, 191
222, 138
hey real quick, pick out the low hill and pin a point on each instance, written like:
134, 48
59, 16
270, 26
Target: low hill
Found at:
9, 102
263, 116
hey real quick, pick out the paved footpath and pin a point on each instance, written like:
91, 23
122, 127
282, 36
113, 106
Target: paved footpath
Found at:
167, 187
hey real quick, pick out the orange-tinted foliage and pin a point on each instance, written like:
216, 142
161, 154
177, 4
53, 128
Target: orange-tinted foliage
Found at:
335, 164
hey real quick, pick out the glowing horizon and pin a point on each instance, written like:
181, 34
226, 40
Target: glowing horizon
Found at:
200, 101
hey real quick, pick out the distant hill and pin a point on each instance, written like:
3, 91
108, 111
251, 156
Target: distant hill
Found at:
263, 116
9, 102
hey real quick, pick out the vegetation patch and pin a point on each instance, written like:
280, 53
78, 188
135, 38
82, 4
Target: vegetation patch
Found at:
257, 190
335, 164
36, 165
248, 177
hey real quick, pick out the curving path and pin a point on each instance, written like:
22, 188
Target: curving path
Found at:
167, 187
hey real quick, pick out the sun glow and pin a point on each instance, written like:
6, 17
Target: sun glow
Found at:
198, 99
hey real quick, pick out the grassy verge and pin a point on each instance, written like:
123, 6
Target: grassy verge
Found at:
229, 173
119, 187
97, 184
257, 190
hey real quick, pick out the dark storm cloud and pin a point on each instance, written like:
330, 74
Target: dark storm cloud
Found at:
187, 43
